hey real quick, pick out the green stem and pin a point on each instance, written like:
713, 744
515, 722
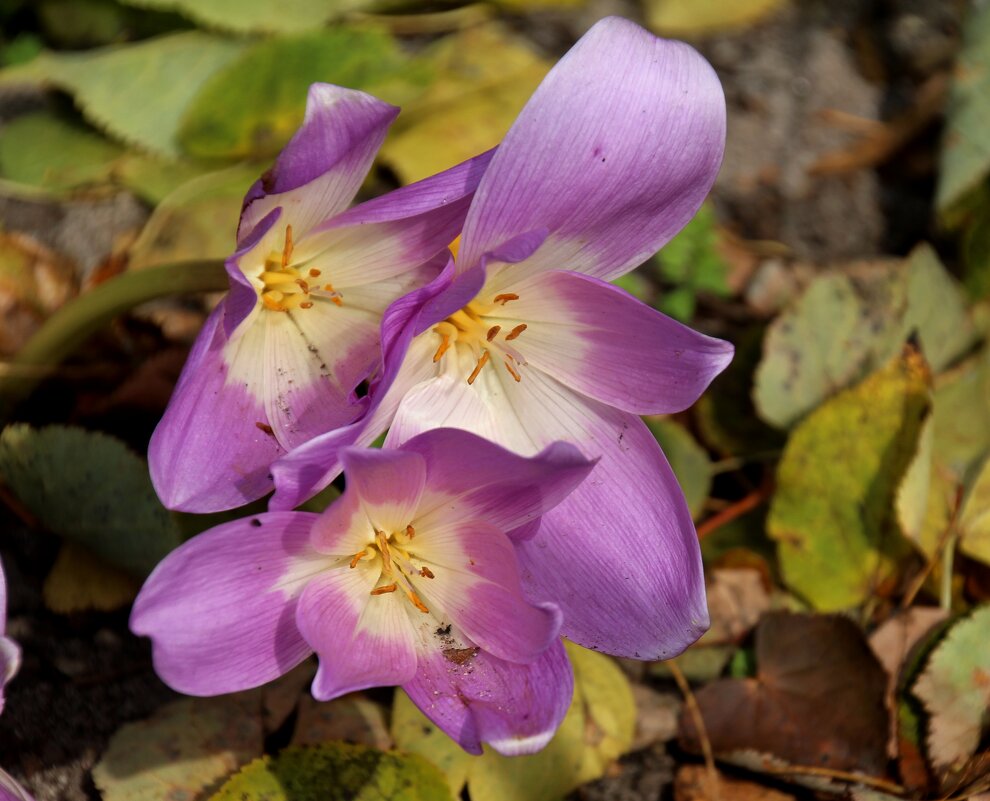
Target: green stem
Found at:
74, 323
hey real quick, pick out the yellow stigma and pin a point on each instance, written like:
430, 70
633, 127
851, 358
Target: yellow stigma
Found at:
397, 570
285, 288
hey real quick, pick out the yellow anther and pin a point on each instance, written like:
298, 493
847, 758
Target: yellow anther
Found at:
385, 589
383, 547
314, 273
493, 332
425, 572
271, 277
503, 299
478, 367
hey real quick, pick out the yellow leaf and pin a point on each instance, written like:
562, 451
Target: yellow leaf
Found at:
698, 17
80, 581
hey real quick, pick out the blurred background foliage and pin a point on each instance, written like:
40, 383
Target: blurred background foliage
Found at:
838, 471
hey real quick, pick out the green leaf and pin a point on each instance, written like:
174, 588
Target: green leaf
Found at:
90, 488
415, 733
181, 750
43, 150
80, 581
974, 523
255, 16
955, 689
833, 513
136, 93
336, 771
251, 108
843, 326
688, 460
196, 221
965, 156
484, 76
77, 24
692, 262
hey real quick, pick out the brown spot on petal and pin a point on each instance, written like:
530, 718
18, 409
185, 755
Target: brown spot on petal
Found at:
459, 655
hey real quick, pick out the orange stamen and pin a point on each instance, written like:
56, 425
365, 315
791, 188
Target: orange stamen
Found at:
416, 602
385, 589
306, 305
383, 547
425, 572
503, 299
337, 301
512, 372
357, 558
516, 331
303, 285
287, 250
477, 368
444, 346
271, 302
314, 273
493, 332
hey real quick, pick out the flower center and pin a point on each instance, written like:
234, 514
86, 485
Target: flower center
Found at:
285, 287
475, 327
398, 569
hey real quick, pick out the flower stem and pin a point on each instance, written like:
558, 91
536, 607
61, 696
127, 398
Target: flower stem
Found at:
74, 323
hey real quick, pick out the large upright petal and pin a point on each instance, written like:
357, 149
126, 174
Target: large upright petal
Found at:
320, 170
220, 609
212, 449
612, 155
389, 484
627, 525
476, 697
604, 343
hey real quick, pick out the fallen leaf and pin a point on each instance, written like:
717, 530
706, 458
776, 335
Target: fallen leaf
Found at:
692, 18
336, 772
688, 460
181, 750
737, 598
79, 582
352, 718
255, 16
112, 85
817, 698
832, 515
656, 716
692, 783
955, 689
974, 523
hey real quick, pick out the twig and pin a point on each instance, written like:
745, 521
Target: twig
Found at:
832, 773
738, 509
699, 723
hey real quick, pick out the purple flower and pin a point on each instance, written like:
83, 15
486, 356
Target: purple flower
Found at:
613, 154
10, 790
409, 578
10, 652
280, 358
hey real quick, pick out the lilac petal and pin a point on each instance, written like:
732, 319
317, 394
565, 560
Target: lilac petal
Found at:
604, 343
322, 167
471, 478
474, 579
209, 452
220, 609
613, 154
389, 484
362, 640
10, 663
514, 708
405, 363
3, 600
243, 296
627, 525
392, 233
10, 790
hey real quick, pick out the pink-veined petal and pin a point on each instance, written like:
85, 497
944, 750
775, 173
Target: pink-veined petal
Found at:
469, 478
613, 154
474, 579
601, 341
211, 450
362, 640
627, 525
220, 609
478, 698
322, 167
388, 482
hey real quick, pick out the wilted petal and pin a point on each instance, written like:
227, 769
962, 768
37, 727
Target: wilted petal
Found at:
220, 609
604, 343
473, 479
612, 155
212, 449
362, 640
474, 579
322, 167
619, 555
479, 698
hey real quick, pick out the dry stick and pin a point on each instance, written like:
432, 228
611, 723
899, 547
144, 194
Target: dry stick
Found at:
699, 722
943, 542
738, 509
842, 775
